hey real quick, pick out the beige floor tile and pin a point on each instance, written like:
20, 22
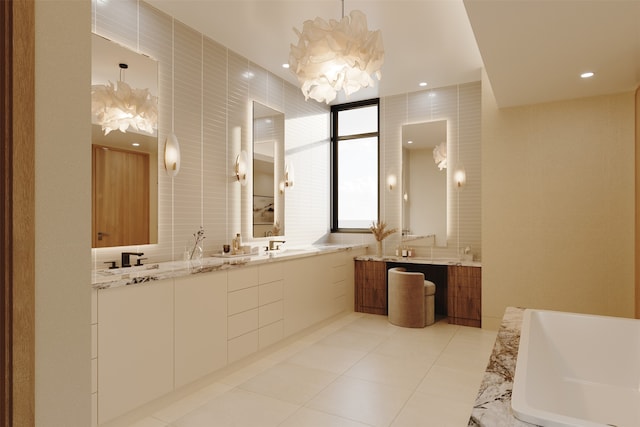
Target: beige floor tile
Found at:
185, 405
362, 401
358, 371
328, 358
150, 422
451, 383
306, 417
239, 408
373, 325
244, 373
352, 339
405, 346
290, 382
395, 371
427, 410
464, 355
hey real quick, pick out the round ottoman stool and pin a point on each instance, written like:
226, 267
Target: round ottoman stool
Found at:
429, 302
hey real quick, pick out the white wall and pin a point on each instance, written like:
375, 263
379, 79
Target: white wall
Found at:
558, 206
62, 214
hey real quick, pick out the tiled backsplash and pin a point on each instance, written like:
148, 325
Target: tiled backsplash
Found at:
205, 95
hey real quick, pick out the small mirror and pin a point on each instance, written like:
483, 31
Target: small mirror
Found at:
268, 171
424, 181
124, 164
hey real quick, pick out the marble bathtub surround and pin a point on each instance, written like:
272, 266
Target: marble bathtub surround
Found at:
493, 403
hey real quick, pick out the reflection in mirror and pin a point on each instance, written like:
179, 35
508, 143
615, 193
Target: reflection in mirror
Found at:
424, 184
124, 165
268, 160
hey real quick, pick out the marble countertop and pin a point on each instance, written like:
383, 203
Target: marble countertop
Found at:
493, 404
113, 278
420, 260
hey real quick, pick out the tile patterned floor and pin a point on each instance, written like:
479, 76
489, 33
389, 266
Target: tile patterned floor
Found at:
358, 370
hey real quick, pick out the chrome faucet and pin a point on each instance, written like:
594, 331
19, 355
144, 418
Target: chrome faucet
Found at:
273, 246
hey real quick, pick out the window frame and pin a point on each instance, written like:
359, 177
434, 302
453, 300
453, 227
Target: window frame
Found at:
335, 140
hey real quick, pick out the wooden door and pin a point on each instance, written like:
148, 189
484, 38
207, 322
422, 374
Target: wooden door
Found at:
120, 197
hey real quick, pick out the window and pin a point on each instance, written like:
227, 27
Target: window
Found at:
354, 160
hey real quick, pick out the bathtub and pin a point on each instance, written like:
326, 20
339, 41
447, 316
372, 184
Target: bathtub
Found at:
577, 370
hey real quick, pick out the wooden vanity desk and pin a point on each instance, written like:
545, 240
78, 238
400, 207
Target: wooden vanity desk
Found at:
458, 287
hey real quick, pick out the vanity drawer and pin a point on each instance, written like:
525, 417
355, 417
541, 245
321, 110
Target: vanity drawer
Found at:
242, 278
270, 273
271, 292
270, 313
242, 323
242, 300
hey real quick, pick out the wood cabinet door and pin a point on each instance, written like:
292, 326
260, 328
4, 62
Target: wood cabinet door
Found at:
465, 291
120, 197
371, 287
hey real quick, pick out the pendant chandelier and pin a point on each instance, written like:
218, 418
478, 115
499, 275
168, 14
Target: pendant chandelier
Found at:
118, 107
335, 56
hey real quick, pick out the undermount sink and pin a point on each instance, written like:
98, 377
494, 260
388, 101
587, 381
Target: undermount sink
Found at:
290, 251
126, 270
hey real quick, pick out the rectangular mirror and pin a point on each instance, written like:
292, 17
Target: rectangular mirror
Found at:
124, 164
424, 182
268, 171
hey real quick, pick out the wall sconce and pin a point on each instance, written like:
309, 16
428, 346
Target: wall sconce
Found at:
172, 155
241, 168
392, 181
281, 187
460, 176
289, 175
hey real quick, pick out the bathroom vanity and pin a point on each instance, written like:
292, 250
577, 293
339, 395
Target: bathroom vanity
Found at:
458, 286
160, 328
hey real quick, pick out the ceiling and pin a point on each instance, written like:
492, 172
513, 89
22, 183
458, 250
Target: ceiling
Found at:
533, 51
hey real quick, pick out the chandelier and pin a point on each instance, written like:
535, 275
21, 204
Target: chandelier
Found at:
335, 56
440, 155
118, 107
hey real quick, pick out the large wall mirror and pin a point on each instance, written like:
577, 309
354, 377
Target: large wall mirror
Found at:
124, 164
424, 181
268, 167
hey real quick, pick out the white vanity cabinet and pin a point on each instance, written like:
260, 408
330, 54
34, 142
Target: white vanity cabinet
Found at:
200, 326
157, 337
94, 357
315, 289
255, 309
135, 346
271, 304
242, 304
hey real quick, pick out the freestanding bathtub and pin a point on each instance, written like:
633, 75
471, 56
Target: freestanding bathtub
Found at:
577, 370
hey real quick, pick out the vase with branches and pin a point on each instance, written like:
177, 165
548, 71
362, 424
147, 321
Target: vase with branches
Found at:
380, 232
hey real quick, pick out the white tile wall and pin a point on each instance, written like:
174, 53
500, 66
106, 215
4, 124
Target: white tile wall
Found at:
460, 106
205, 97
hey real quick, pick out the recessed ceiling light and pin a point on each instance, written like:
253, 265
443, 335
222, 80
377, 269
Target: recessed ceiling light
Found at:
422, 84
409, 142
135, 144
587, 75
285, 65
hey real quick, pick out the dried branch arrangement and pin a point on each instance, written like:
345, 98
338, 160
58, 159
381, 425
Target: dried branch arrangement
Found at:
378, 230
